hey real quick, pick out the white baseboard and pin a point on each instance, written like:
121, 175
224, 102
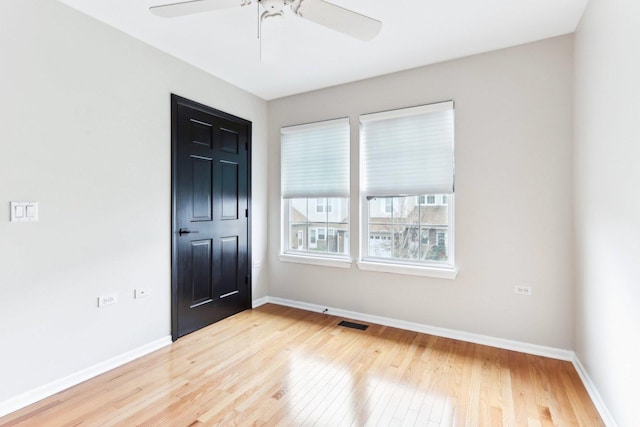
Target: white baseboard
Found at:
593, 393
39, 393
260, 301
522, 347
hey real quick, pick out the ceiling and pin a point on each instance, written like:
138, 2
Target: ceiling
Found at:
299, 55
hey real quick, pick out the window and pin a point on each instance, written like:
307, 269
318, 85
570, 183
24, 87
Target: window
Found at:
407, 174
320, 206
388, 205
433, 199
315, 189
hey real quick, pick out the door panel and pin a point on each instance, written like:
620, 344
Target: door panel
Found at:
229, 190
229, 251
202, 191
201, 256
201, 133
210, 198
230, 141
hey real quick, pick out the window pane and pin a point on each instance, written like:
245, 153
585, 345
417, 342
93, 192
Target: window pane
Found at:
297, 236
433, 244
405, 210
314, 232
297, 210
434, 214
380, 240
406, 242
338, 209
413, 231
380, 210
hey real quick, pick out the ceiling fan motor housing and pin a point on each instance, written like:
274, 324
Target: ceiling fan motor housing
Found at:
274, 7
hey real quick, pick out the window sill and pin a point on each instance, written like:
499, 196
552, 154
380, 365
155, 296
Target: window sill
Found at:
315, 260
413, 270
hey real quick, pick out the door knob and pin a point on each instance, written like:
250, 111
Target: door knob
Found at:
185, 231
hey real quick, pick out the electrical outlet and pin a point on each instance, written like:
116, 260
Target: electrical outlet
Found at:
141, 293
107, 300
522, 290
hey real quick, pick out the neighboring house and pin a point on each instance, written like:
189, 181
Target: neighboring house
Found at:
409, 227
323, 229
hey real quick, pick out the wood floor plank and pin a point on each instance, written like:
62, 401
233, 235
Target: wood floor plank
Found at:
279, 366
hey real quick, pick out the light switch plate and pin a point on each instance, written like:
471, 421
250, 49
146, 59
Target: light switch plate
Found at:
23, 211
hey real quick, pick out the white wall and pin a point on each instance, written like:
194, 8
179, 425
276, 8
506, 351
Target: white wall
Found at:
513, 196
607, 208
84, 130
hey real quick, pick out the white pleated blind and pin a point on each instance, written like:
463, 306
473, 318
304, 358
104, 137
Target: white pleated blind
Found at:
408, 151
315, 160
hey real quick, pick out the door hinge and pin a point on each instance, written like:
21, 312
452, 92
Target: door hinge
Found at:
246, 213
246, 146
246, 280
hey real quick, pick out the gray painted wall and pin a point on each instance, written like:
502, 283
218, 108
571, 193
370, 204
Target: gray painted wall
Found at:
513, 196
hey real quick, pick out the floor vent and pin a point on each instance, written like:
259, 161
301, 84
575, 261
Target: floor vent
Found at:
353, 325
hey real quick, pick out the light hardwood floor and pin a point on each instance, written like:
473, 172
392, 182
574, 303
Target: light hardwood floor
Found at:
282, 366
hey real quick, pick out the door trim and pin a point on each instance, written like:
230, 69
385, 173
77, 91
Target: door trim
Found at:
177, 100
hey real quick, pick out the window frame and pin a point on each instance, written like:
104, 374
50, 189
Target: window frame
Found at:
448, 269
326, 209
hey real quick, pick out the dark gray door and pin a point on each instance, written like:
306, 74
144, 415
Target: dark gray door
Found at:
210, 197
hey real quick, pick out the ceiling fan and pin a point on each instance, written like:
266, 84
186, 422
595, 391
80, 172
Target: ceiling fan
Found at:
319, 11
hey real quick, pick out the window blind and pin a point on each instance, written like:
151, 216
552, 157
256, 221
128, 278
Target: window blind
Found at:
315, 160
408, 151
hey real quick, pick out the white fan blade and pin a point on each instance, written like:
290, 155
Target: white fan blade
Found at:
339, 19
194, 6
